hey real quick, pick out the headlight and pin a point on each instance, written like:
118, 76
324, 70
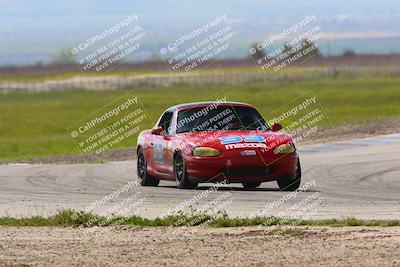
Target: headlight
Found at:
205, 152
285, 149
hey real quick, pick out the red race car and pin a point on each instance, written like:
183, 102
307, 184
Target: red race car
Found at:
217, 141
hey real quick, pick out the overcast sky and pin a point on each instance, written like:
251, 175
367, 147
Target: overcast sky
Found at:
36, 29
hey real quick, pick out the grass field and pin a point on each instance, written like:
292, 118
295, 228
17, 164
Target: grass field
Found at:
221, 219
35, 124
292, 72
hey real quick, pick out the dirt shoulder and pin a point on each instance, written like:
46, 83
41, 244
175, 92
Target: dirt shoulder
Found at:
329, 134
245, 246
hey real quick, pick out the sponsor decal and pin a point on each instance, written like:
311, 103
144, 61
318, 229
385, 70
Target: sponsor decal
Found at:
248, 153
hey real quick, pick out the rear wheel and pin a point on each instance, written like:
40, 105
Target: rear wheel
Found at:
145, 178
251, 185
291, 183
181, 176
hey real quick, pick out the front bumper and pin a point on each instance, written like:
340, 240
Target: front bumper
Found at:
257, 168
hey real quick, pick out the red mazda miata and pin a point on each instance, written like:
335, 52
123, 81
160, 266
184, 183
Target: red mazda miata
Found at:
217, 141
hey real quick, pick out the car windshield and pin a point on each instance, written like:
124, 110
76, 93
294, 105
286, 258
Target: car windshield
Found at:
215, 118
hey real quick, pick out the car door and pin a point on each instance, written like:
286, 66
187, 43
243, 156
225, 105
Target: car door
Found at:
160, 143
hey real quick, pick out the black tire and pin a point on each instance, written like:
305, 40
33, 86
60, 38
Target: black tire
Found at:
180, 172
145, 178
291, 183
251, 184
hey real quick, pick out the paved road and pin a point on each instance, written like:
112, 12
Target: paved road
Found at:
358, 178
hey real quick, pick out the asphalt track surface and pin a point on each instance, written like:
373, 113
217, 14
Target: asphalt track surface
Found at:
356, 178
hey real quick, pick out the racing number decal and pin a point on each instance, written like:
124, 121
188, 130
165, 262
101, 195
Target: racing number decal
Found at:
158, 153
253, 139
230, 139
226, 140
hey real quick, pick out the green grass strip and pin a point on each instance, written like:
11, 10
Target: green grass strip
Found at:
68, 218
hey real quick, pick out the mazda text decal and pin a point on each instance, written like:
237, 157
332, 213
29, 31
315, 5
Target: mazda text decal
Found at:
246, 145
250, 141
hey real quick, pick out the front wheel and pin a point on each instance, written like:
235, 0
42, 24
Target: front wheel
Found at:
291, 183
145, 178
181, 175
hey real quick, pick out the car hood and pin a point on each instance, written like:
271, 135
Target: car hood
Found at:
236, 139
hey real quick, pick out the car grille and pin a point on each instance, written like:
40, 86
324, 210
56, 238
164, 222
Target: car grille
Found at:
247, 172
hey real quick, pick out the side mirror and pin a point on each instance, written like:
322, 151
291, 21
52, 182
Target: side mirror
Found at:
276, 127
157, 130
